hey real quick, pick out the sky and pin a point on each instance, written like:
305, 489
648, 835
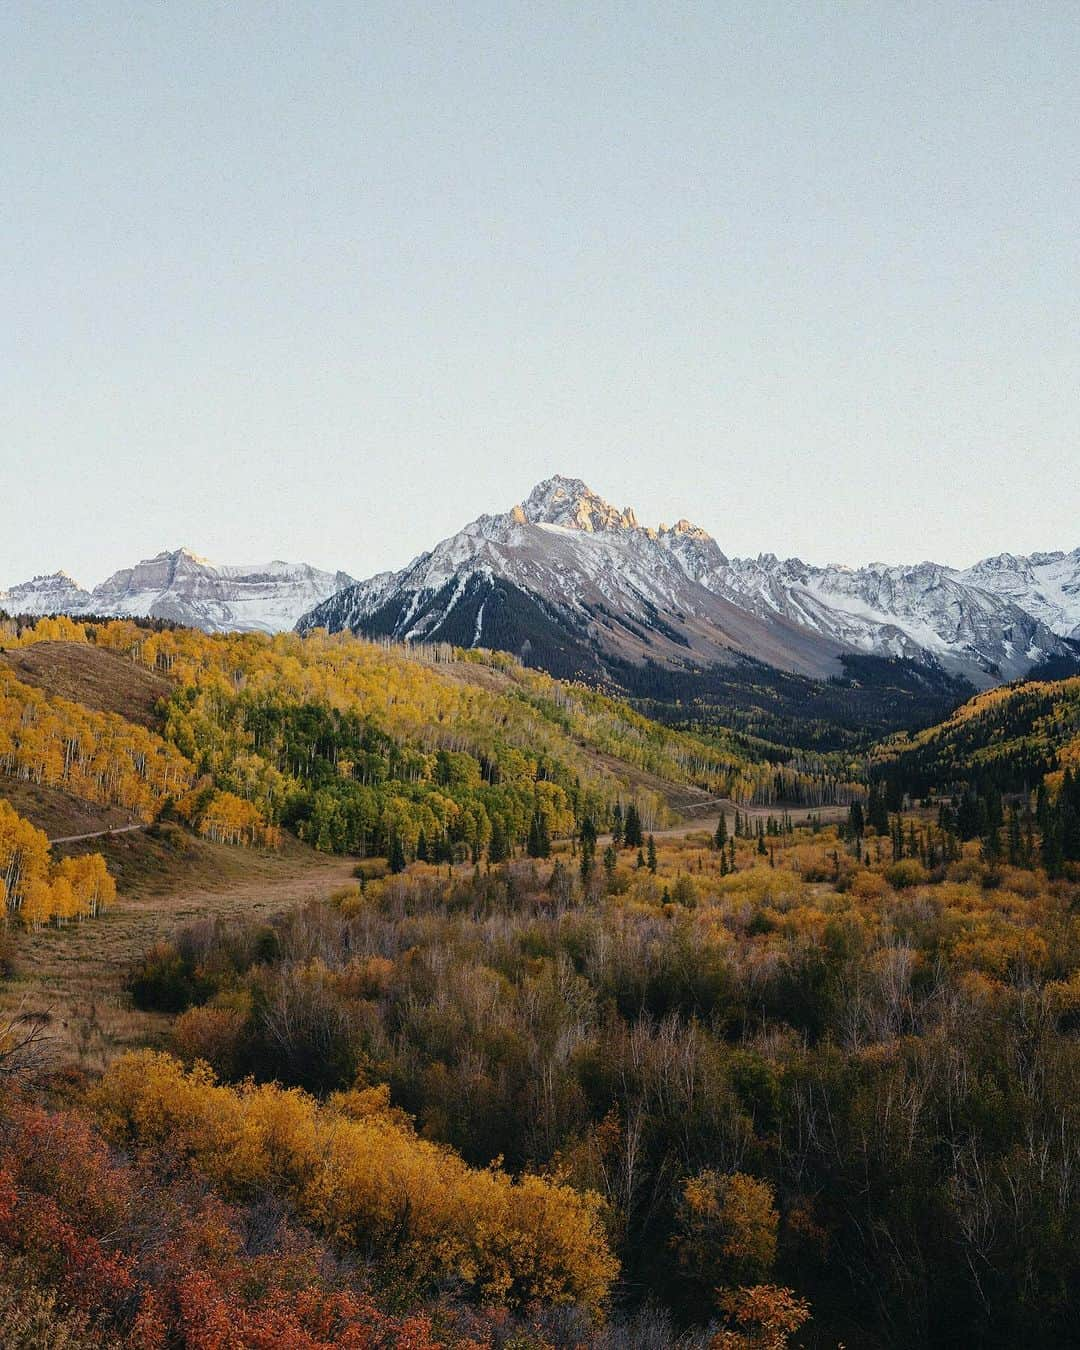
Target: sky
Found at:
325, 281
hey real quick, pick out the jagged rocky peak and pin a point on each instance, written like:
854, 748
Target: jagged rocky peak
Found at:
572, 504
52, 593
180, 585
573, 564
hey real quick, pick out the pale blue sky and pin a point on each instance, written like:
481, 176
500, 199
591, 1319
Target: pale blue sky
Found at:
326, 280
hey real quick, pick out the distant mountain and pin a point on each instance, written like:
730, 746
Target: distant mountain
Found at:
187, 589
1046, 585
571, 583
921, 612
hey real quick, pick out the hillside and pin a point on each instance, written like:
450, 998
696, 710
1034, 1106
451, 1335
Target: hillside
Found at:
351, 744
1007, 738
91, 675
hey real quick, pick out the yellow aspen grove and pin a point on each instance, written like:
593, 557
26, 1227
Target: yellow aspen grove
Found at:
34, 890
97, 756
357, 1171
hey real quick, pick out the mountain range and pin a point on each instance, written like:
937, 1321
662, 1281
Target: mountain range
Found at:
571, 583
181, 586
575, 585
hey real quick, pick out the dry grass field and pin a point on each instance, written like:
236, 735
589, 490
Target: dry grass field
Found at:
58, 813
73, 977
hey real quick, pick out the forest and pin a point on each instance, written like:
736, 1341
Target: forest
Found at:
553, 1069
364, 748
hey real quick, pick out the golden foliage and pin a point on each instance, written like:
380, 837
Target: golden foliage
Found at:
34, 889
358, 1173
99, 757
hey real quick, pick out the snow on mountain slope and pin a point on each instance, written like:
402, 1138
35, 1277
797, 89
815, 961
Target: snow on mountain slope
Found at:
567, 561
56, 593
1046, 585
571, 582
910, 611
188, 589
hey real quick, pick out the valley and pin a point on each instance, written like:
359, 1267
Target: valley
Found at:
528, 1014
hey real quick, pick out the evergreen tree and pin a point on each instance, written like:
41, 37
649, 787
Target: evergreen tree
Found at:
877, 812
396, 857
1016, 847
588, 848
651, 854
632, 836
499, 847
611, 860
539, 840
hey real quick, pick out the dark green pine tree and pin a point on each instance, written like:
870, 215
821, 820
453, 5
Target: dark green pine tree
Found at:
731, 855
539, 840
877, 811
1069, 813
499, 847
1016, 846
421, 848
588, 848
720, 837
617, 826
632, 836
611, 861
651, 854
396, 857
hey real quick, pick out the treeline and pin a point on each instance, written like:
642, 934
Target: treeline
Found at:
34, 889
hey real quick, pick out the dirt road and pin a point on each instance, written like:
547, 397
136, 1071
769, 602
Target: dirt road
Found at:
76, 974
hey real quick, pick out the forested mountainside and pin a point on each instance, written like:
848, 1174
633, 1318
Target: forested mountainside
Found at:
1006, 738
357, 747
847, 713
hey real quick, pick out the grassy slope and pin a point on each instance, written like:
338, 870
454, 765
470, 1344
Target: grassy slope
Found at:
58, 813
98, 679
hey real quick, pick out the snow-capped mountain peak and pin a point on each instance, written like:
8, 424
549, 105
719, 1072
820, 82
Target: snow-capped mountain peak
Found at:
180, 585
1046, 585
571, 504
565, 559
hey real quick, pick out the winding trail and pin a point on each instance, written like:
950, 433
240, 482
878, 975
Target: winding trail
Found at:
99, 834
